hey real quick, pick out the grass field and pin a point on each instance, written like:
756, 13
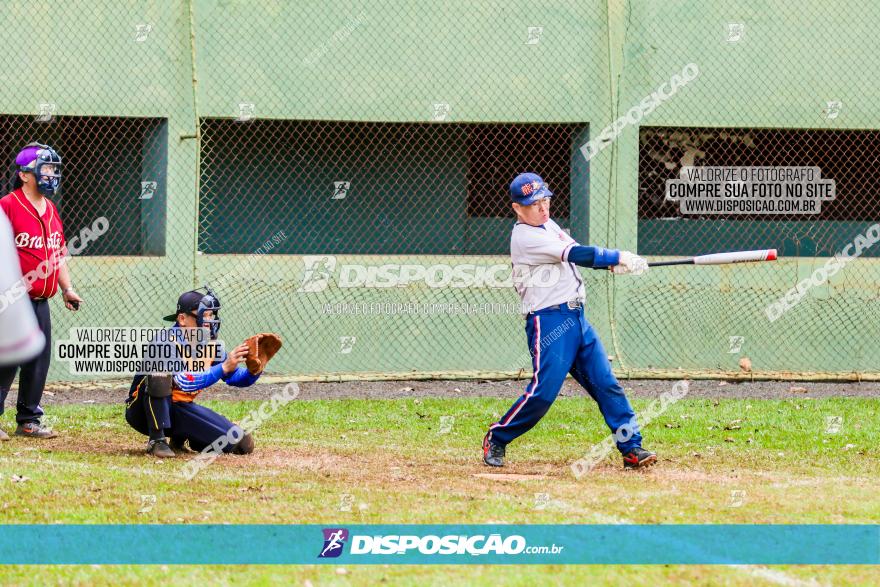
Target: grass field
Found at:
417, 461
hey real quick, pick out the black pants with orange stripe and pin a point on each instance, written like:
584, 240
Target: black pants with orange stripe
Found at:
31, 375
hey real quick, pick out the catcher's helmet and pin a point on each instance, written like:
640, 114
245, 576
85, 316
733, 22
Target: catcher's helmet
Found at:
197, 302
44, 163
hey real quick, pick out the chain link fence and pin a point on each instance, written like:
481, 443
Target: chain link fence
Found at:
114, 168
381, 141
778, 86
372, 188
836, 302
338, 174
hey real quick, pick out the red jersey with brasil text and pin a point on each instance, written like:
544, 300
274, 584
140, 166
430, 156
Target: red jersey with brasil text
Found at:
39, 239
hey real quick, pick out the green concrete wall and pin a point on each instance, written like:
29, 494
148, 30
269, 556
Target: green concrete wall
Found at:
384, 61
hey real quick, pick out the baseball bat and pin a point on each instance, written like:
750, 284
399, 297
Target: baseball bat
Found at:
722, 258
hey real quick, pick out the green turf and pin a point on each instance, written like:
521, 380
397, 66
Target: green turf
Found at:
358, 461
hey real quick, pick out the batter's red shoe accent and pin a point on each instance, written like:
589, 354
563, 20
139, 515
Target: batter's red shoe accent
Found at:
638, 457
493, 454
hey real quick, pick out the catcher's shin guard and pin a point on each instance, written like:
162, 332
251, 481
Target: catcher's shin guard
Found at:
159, 385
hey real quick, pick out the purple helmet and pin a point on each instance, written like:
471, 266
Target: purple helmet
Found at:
44, 163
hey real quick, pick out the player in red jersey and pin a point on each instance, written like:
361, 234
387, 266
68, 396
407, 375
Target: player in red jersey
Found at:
41, 248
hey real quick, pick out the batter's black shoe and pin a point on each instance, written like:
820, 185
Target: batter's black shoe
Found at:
638, 457
160, 449
35, 430
493, 454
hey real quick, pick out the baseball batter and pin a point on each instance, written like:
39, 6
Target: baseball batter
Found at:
560, 339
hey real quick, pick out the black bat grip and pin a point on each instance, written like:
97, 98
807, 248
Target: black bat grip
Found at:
675, 262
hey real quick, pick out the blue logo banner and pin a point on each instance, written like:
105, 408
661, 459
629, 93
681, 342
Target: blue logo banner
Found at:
440, 544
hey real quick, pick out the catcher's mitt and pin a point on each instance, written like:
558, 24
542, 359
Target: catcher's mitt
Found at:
261, 348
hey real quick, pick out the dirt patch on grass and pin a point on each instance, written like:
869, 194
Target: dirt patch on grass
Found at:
323, 462
508, 476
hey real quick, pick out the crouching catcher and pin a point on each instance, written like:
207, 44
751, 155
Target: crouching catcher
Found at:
162, 406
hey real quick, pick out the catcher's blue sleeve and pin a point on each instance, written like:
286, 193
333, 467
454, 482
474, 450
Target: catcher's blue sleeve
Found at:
189, 381
241, 377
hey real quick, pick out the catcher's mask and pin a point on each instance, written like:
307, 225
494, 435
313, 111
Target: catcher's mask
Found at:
44, 163
196, 303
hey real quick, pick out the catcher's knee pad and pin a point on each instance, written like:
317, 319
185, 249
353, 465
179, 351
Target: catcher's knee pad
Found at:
245, 446
159, 385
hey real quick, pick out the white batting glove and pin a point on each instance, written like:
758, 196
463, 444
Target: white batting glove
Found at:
630, 263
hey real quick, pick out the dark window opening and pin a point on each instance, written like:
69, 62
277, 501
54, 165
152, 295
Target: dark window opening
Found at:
850, 157
374, 187
113, 167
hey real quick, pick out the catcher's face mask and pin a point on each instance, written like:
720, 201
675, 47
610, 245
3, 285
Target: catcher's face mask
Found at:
45, 164
209, 302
